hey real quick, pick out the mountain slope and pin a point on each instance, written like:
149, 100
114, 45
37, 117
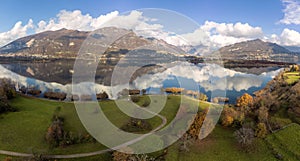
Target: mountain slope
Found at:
257, 50
65, 43
50, 43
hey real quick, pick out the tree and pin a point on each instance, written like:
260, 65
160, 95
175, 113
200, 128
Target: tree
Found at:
5, 107
143, 91
245, 102
55, 133
227, 120
261, 130
135, 99
262, 114
244, 136
195, 127
228, 115
146, 103
6, 93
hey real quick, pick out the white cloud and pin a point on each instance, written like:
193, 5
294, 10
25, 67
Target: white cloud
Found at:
222, 34
291, 12
75, 20
237, 30
16, 32
290, 37
287, 37
211, 35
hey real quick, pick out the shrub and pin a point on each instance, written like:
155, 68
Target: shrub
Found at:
229, 115
55, 95
136, 125
146, 103
245, 102
135, 99
261, 130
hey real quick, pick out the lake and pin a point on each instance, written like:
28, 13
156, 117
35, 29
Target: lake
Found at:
210, 79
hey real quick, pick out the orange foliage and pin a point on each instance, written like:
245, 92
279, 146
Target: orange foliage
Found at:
245, 101
174, 90
194, 129
228, 116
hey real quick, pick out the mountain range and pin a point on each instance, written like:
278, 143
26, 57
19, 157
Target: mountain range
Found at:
66, 43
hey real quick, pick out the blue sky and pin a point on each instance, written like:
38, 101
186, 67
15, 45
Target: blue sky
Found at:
266, 14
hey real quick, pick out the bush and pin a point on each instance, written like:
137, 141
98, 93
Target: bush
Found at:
7, 89
5, 107
55, 95
55, 133
261, 130
146, 103
135, 99
34, 92
136, 125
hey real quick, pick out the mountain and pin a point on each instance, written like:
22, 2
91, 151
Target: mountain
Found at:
293, 48
47, 44
257, 50
50, 55
66, 43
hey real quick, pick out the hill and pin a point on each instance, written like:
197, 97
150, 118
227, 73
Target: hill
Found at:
281, 95
257, 50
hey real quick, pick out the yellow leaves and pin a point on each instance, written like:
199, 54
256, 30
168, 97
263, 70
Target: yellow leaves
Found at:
174, 90
228, 116
261, 130
197, 124
245, 101
227, 120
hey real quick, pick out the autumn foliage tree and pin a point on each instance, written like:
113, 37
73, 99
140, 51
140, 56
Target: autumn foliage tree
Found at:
245, 102
261, 130
174, 90
262, 114
227, 117
195, 127
55, 133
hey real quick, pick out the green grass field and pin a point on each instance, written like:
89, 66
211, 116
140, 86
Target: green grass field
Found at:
291, 77
220, 145
24, 131
286, 142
